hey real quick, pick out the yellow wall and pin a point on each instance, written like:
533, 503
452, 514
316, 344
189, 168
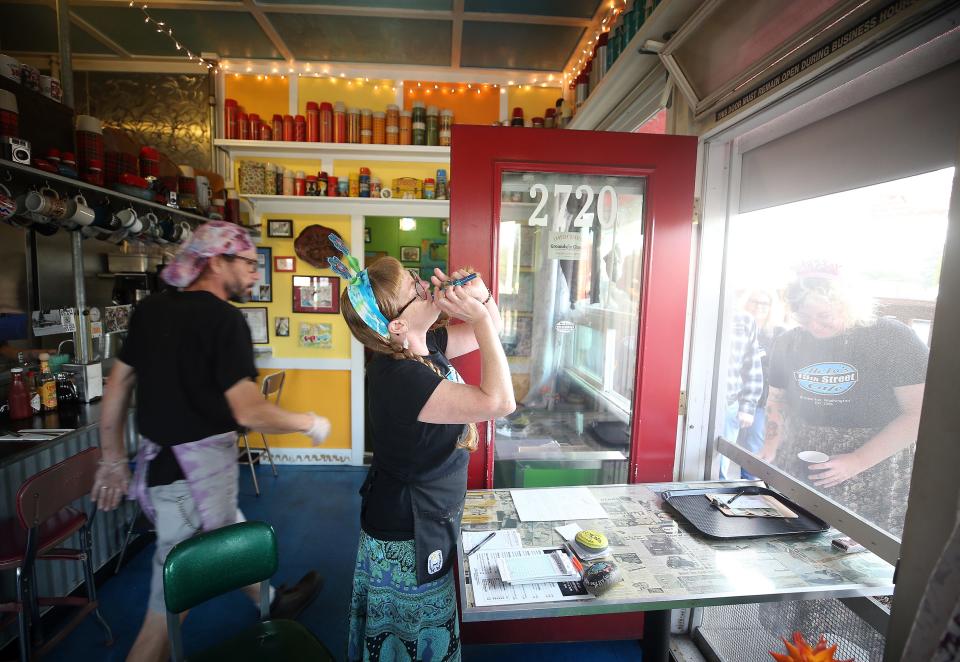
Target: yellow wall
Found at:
533, 100
282, 304
374, 94
324, 392
264, 97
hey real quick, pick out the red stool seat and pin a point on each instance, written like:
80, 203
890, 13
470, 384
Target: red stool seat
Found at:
13, 537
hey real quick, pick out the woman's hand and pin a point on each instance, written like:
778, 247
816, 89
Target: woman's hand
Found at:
458, 304
110, 484
475, 288
835, 470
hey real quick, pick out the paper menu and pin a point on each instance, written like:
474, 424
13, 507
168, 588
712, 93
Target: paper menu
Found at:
489, 590
552, 566
550, 505
505, 539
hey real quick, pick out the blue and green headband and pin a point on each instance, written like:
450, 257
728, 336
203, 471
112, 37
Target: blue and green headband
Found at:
358, 287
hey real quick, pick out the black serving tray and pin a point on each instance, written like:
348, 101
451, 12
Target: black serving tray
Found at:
707, 519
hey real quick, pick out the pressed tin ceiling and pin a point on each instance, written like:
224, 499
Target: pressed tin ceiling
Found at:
515, 35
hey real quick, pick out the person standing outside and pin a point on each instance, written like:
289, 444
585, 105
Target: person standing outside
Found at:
744, 383
189, 355
422, 424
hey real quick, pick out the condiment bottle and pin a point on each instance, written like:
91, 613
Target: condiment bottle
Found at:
393, 116
339, 123
429, 189
230, 112
406, 127
354, 186
379, 128
433, 125
326, 122
332, 186
441, 190
393, 135
18, 396
419, 123
300, 129
288, 182
67, 396
364, 182
446, 126
353, 126
313, 122
48, 385
366, 126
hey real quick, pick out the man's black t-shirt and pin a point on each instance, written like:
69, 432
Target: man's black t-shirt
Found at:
848, 380
403, 446
188, 349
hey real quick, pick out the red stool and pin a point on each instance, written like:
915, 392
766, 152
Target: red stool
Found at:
45, 519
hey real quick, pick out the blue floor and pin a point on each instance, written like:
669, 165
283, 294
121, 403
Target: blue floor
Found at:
314, 511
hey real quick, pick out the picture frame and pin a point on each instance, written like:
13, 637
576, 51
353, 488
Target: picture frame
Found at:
281, 327
285, 263
367, 238
409, 253
316, 294
256, 318
280, 227
445, 226
262, 291
316, 336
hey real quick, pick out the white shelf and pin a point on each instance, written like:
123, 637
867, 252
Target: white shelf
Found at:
289, 204
278, 149
632, 67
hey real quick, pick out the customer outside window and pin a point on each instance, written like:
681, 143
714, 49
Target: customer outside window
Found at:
190, 357
848, 385
421, 417
744, 382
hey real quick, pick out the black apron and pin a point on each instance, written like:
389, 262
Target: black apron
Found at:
436, 497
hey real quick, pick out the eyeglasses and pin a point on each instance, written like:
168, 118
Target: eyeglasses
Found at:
421, 291
252, 264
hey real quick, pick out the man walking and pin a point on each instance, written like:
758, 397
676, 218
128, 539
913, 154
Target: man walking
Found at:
188, 353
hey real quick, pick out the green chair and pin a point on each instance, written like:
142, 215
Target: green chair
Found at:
223, 560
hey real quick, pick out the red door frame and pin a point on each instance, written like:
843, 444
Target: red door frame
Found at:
478, 157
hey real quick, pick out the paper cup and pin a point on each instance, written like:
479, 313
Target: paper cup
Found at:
813, 457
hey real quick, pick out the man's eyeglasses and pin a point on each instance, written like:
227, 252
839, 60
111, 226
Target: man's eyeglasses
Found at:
421, 291
252, 264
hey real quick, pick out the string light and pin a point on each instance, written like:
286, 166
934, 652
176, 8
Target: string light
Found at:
604, 27
162, 27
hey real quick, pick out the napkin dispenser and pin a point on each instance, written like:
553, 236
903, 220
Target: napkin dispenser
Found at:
89, 379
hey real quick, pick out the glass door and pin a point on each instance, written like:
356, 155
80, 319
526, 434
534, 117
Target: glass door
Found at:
591, 278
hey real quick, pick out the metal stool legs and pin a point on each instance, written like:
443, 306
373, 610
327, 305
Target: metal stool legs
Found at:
23, 616
86, 535
266, 447
253, 472
126, 538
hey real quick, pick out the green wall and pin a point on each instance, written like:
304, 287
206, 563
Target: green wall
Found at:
385, 235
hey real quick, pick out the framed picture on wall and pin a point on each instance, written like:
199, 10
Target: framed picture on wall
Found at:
281, 326
285, 263
263, 289
366, 235
257, 321
409, 253
316, 294
282, 228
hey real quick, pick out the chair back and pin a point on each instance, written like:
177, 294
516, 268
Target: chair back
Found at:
218, 561
56, 487
273, 383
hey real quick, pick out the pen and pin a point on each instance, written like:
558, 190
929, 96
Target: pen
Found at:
482, 543
460, 281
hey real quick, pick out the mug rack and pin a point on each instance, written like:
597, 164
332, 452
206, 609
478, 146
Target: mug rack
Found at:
20, 178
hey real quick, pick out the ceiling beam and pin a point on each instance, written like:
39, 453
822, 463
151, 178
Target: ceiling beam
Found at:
269, 30
206, 5
533, 19
99, 36
456, 34
157, 65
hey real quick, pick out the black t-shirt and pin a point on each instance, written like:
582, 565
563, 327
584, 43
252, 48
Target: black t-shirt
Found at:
403, 446
188, 349
847, 381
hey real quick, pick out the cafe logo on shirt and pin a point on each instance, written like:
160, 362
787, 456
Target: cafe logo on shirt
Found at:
828, 378
453, 375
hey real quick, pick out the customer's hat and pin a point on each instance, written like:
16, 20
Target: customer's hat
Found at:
208, 240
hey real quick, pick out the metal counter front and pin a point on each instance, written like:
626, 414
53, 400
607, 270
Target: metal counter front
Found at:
667, 564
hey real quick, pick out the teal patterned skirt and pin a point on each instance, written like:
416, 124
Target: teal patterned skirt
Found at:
394, 619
